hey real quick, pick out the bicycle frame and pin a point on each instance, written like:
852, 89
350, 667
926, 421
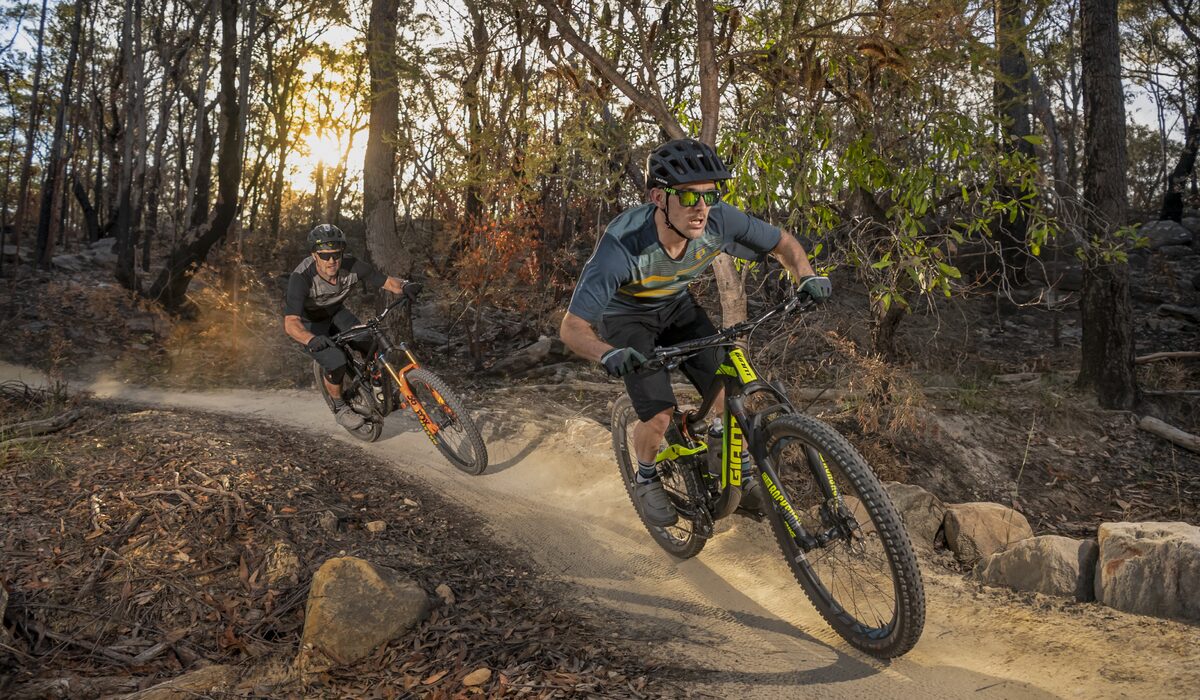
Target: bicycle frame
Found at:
383, 348
744, 432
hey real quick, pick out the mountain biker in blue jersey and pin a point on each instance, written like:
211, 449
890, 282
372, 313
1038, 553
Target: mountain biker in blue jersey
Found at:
634, 290
313, 307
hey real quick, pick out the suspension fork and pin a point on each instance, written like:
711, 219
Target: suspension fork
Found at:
773, 485
430, 426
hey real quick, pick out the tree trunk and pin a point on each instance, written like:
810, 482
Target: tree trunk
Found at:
1106, 355
124, 229
1011, 93
30, 132
379, 177
55, 165
1172, 206
171, 286
474, 201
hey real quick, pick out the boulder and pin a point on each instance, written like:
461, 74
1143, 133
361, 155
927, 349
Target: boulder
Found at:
70, 263
921, 511
976, 530
353, 607
1049, 564
1176, 251
210, 681
546, 349
1192, 224
1150, 569
1163, 233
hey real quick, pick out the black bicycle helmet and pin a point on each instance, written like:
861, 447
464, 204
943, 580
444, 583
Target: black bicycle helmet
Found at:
680, 161
326, 237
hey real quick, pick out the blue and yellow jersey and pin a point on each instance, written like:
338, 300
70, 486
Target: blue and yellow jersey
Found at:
630, 270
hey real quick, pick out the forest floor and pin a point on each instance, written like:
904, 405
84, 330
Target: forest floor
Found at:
987, 410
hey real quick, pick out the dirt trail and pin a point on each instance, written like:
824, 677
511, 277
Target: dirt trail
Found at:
733, 620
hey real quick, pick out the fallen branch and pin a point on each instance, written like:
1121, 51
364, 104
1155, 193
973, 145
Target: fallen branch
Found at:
1170, 433
31, 428
1160, 356
43, 631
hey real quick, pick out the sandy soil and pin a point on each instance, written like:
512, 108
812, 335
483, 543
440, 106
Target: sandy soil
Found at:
732, 622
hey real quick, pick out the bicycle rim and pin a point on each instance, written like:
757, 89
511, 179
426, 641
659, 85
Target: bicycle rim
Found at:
865, 582
680, 482
456, 435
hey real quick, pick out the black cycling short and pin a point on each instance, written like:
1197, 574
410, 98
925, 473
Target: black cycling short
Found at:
681, 320
332, 360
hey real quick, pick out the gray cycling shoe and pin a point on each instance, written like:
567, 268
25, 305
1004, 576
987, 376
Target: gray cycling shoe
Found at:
655, 505
348, 419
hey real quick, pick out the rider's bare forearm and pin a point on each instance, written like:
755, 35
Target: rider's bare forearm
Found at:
579, 336
296, 330
792, 255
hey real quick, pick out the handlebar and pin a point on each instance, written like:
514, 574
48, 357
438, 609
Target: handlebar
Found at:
372, 323
671, 356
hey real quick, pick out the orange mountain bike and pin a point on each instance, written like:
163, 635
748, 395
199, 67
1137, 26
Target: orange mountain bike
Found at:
388, 379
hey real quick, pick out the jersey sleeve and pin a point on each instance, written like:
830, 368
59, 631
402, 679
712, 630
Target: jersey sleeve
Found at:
297, 292
746, 237
609, 267
372, 278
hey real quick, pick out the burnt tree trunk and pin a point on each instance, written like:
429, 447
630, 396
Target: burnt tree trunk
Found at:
170, 288
1106, 355
1172, 206
55, 166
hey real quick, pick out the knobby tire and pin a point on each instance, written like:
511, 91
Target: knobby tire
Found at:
467, 451
870, 591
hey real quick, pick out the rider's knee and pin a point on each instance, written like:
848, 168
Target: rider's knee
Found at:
660, 421
334, 376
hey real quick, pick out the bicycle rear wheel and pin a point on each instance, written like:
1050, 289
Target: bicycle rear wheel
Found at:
372, 426
864, 581
453, 432
680, 481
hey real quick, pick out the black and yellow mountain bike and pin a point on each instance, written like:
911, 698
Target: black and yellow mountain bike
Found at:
388, 378
838, 529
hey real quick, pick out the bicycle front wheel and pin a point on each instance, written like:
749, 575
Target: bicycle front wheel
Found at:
451, 429
864, 580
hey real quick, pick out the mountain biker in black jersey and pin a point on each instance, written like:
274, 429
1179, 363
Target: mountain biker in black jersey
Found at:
313, 307
634, 290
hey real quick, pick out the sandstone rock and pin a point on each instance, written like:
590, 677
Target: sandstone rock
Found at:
353, 607
546, 349
445, 593
1192, 224
1162, 233
209, 681
376, 526
1176, 251
70, 263
975, 530
921, 511
1150, 569
282, 564
1048, 564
